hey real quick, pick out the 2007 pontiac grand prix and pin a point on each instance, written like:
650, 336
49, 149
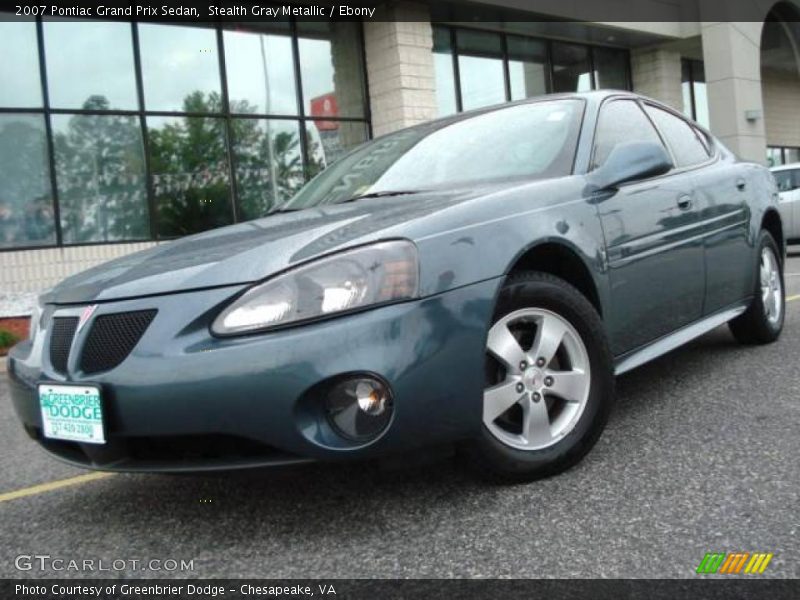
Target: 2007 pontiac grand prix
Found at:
475, 282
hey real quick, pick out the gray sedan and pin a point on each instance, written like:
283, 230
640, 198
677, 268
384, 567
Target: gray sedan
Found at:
475, 282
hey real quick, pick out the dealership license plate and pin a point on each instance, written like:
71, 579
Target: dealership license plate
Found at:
72, 412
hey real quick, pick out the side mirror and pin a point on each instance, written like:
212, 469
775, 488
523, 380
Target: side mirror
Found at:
629, 162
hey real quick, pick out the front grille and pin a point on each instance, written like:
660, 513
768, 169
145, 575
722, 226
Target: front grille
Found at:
61, 341
111, 339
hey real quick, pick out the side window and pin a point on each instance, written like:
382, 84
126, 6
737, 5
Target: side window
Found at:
681, 137
783, 179
620, 121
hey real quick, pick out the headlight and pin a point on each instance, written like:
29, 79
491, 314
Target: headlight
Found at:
351, 280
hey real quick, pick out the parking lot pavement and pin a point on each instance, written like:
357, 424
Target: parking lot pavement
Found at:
701, 455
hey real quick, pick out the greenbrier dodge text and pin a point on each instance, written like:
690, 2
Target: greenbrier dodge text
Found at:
73, 591
232, 10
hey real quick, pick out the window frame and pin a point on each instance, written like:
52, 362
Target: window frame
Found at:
452, 30
302, 118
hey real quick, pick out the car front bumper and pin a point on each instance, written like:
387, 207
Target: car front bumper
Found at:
184, 400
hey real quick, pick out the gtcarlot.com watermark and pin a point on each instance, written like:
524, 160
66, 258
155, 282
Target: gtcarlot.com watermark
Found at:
57, 564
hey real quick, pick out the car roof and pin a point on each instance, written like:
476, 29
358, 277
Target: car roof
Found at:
789, 167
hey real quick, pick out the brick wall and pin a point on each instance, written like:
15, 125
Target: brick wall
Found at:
657, 74
400, 68
27, 272
781, 93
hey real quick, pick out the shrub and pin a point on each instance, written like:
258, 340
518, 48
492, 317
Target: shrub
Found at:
7, 339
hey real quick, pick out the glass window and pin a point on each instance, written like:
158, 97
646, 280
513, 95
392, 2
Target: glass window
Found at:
90, 63
792, 155
330, 67
774, 157
787, 180
686, 89
480, 66
445, 76
681, 137
180, 68
527, 67
610, 69
522, 142
191, 180
260, 69
268, 164
620, 121
328, 141
571, 69
100, 174
18, 40
693, 88
26, 205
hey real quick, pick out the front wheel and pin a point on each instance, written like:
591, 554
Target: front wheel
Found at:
763, 321
549, 380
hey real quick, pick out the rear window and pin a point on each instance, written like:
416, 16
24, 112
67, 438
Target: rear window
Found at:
787, 180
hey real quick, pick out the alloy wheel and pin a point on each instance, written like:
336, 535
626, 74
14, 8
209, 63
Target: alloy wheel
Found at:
538, 379
771, 287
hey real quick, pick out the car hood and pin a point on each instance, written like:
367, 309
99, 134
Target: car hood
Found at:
253, 250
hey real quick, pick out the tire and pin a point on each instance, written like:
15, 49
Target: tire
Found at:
759, 324
575, 388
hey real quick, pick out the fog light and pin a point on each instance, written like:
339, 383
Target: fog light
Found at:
359, 408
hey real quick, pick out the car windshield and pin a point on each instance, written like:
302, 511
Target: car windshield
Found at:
525, 141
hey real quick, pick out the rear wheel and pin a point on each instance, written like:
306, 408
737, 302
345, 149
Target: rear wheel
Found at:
549, 380
763, 321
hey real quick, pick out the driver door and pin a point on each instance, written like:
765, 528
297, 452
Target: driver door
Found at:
653, 239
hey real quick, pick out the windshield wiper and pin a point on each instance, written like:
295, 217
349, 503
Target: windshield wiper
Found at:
383, 194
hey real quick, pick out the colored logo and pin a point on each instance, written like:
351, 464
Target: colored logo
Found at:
85, 316
734, 563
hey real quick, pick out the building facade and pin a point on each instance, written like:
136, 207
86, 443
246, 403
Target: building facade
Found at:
115, 136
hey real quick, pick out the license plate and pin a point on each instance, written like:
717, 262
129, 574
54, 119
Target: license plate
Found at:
72, 412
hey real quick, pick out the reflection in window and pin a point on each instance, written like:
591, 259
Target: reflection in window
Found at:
686, 146
571, 69
610, 69
527, 67
480, 66
26, 207
269, 164
445, 77
330, 60
100, 177
328, 141
89, 59
21, 84
260, 73
176, 62
191, 181
620, 122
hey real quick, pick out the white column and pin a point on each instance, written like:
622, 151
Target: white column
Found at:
400, 67
732, 56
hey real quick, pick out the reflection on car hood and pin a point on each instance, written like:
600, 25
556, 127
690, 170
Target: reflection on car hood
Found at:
251, 251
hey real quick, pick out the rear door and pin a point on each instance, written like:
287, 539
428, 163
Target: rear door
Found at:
723, 194
653, 239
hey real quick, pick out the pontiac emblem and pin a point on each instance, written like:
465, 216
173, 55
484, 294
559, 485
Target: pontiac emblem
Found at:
85, 316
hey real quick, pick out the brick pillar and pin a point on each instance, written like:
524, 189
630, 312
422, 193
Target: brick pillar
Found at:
657, 74
732, 56
400, 67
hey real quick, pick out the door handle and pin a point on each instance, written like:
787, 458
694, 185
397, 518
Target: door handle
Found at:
741, 184
684, 202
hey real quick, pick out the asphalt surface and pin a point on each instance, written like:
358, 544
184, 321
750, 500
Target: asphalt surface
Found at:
701, 455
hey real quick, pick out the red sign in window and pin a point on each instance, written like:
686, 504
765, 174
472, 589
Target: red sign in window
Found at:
325, 106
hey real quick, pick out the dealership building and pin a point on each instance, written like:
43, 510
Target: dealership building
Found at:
115, 136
